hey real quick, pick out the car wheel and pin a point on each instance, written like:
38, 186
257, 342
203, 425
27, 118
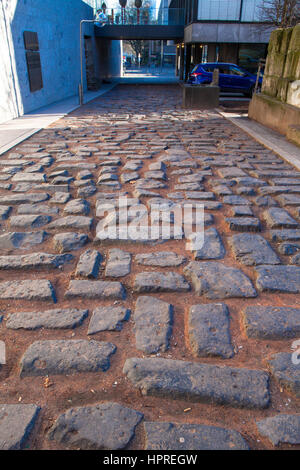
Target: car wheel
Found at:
250, 92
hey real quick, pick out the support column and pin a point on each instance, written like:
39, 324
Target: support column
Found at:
181, 66
188, 51
177, 60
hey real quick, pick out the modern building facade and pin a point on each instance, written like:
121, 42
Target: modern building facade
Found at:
40, 53
222, 31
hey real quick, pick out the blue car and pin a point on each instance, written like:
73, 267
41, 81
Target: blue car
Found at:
232, 78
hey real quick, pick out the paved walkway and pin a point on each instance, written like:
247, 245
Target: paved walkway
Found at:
118, 337
17, 130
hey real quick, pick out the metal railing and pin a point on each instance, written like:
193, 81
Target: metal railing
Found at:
144, 16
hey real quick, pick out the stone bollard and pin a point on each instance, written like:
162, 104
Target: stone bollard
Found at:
215, 78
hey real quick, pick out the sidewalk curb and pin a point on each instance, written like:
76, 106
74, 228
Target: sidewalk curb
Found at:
33, 130
267, 137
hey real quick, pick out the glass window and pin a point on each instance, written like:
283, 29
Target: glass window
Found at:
236, 71
249, 55
227, 10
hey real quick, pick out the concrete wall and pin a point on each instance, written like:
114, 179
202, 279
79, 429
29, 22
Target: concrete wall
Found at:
57, 25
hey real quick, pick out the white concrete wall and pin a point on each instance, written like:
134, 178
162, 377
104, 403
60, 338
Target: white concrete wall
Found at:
57, 25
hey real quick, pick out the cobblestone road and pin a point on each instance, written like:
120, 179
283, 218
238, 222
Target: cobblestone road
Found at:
138, 345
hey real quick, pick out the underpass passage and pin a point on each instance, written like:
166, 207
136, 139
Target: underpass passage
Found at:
150, 343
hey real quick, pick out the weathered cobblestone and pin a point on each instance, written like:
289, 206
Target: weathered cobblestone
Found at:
108, 318
66, 357
160, 282
272, 322
153, 324
160, 258
102, 426
34, 260
253, 250
286, 372
218, 281
69, 241
52, 319
278, 279
208, 329
137, 141
196, 382
28, 290
169, 436
95, 290
118, 263
16, 424
281, 429
89, 264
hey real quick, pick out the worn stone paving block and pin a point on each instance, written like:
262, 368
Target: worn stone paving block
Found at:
16, 424
32, 198
109, 318
285, 181
29, 221
236, 200
102, 426
118, 263
287, 248
32, 289
276, 217
266, 322
212, 248
249, 181
285, 235
52, 319
153, 324
281, 429
60, 198
244, 224
21, 240
170, 436
89, 264
278, 279
217, 281
265, 201
195, 382
95, 290
29, 178
78, 222
69, 241
160, 258
77, 206
286, 372
37, 209
232, 173
34, 260
296, 259
252, 250
289, 200
160, 282
209, 330
240, 211
4, 212
66, 357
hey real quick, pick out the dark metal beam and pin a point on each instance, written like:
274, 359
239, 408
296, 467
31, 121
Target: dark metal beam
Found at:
140, 32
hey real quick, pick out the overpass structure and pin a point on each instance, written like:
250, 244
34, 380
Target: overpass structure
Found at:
143, 23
